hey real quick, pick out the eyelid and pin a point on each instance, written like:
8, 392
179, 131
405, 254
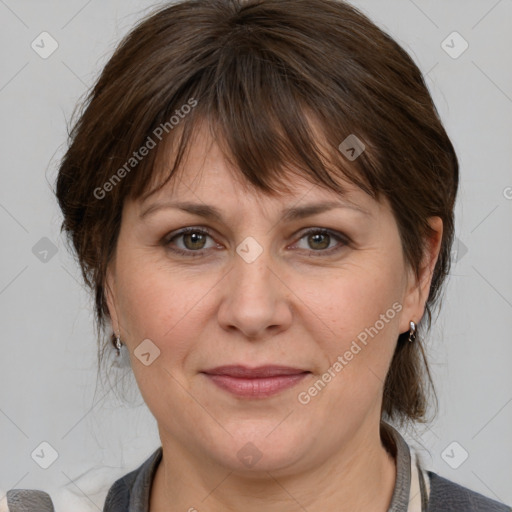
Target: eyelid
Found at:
189, 229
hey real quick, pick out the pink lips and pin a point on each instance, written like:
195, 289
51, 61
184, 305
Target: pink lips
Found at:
259, 382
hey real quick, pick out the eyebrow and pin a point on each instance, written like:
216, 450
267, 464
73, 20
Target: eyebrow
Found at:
287, 215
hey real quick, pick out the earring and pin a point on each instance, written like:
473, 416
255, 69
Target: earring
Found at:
412, 331
118, 344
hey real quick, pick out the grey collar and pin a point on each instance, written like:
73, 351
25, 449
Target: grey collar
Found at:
396, 444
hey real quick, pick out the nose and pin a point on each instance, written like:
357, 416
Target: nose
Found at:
255, 299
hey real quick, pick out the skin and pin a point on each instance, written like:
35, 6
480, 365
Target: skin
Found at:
295, 305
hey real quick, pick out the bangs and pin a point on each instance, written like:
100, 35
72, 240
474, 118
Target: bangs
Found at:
268, 120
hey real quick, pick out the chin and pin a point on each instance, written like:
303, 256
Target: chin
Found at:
270, 449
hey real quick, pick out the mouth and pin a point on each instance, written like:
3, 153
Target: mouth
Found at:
260, 382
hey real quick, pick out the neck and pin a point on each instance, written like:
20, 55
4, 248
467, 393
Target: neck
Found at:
360, 476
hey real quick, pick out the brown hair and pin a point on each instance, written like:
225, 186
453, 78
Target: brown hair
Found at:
260, 72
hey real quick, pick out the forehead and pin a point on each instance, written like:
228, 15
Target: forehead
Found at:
206, 175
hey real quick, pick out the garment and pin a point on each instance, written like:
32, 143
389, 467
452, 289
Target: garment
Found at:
416, 489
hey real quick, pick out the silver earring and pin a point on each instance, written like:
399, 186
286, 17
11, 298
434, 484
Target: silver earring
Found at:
412, 331
118, 344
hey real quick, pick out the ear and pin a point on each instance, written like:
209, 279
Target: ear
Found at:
418, 288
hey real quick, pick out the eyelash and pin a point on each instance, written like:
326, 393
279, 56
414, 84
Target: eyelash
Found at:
190, 253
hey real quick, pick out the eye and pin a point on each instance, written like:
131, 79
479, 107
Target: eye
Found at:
193, 240
320, 241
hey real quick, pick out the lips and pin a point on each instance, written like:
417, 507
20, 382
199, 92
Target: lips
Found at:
254, 373
260, 382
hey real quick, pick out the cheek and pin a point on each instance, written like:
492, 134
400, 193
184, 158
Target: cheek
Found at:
148, 301
352, 298
164, 307
357, 312
161, 303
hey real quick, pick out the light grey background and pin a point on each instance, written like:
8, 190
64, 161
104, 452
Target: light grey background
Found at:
48, 349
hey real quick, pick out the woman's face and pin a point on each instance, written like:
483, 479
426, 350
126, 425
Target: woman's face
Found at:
326, 294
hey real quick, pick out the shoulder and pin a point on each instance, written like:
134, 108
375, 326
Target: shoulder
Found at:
448, 496
83, 493
133, 488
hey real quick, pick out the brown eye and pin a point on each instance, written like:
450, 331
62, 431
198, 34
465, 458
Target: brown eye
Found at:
188, 242
323, 242
319, 240
194, 240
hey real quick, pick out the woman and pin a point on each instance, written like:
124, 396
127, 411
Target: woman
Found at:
260, 194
